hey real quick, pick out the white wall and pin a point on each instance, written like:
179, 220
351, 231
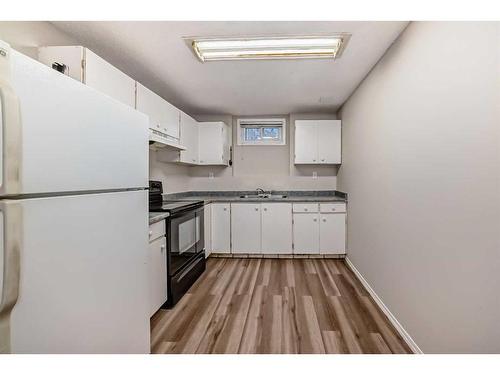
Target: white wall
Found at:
27, 36
175, 177
421, 164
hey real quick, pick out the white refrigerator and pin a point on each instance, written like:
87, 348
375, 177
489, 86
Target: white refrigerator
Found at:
73, 215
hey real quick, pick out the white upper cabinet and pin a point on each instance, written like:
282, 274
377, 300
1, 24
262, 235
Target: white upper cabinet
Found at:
85, 66
306, 142
163, 116
276, 228
189, 139
172, 120
213, 143
245, 228
329, 142
318, 142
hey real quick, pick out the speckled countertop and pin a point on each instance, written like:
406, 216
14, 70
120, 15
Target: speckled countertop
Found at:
207, 197
155, 217
235, 196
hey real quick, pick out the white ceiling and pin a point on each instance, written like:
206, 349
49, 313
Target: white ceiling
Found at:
155, 54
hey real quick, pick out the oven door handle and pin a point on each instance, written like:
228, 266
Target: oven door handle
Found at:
189, 268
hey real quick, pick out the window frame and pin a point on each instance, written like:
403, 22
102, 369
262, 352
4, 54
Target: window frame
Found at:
261, 122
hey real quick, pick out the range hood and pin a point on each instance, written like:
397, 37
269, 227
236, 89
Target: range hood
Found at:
160, 141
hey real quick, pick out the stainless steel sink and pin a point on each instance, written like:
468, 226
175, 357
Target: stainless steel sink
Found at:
263, 196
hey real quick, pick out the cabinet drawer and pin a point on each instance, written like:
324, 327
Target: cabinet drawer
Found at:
305, 207
156, 230
332, 207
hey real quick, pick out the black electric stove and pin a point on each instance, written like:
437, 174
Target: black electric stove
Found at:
157, 204
174, 207
185, 241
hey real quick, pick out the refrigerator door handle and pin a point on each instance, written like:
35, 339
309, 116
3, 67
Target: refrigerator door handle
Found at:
10, 129
11, 234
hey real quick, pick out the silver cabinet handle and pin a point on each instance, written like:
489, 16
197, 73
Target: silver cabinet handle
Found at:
256, 209
157, 125
322, 159
225, 209
162, 247
333, 209
315, 220
305, 209
150, 233
314, 159
324, 220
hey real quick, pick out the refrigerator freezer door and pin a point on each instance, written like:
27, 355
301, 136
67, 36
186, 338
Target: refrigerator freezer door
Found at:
72, 138
84, 284
10, 136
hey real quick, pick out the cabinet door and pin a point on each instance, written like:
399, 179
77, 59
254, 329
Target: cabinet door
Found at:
70, 56
226, 144
189, 139
221, 228
305, 233
306, 142
107, 79
276, 228
157, 274
332, 234
245, 228
329, 142
171, 120
210, 143
207, 219
149, 103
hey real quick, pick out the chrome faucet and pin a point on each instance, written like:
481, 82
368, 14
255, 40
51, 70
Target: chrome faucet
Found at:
260, 191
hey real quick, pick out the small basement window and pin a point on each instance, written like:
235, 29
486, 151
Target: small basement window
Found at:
262, 131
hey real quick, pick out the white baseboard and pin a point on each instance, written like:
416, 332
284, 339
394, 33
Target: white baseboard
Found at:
405, 335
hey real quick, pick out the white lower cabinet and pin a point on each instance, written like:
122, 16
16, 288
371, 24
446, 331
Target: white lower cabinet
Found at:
207, 213
305, 233
276, 228
220, 228
246, 228
332, 233
157, 273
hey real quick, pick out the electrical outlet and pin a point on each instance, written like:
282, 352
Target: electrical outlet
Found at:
315, 175
211, 175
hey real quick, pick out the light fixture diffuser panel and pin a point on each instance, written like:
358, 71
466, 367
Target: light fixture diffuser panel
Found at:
303, 47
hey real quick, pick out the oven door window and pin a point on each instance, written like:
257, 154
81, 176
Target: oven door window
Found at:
188, 234
186, 238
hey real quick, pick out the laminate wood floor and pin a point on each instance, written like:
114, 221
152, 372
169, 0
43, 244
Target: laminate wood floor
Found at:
275, 306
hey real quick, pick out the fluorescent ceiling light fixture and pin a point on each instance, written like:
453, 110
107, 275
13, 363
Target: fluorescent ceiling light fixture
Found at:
254, 48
